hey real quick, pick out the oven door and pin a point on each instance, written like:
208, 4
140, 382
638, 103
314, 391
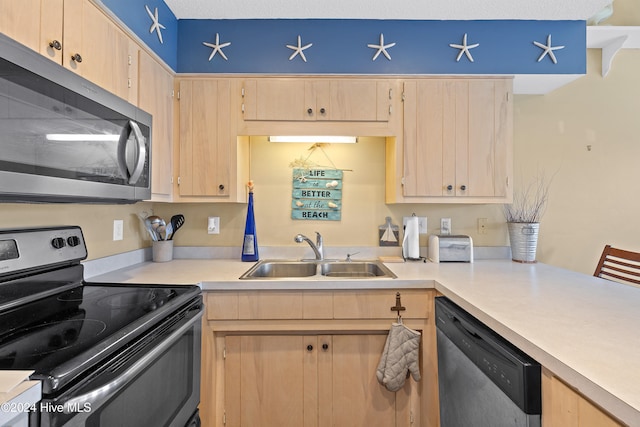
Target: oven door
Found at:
155, 383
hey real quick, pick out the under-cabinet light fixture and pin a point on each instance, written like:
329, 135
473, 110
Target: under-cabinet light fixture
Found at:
81, 137
306, 139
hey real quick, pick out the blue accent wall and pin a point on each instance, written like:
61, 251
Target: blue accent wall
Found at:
135, 16
340, 45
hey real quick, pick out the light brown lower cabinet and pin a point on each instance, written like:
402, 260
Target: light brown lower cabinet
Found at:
315, 380
562, 406
261, 367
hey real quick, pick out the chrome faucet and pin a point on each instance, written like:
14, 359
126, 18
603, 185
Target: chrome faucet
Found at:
317, 247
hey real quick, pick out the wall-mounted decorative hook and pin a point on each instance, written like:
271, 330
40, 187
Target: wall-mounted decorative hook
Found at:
398, 307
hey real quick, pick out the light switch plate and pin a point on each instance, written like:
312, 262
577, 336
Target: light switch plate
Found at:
118, 229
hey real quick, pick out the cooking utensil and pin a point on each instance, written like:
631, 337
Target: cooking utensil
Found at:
156, 222
149, 227
162, 231
168, 231
176, 223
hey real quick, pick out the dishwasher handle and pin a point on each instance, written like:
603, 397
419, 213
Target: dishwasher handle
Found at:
481, 341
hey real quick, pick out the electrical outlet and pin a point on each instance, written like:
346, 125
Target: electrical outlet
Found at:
422, 223
118, 229
213, 225
445, 226
482, 225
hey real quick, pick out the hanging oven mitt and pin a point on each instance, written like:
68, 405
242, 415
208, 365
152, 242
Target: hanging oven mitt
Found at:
400, 355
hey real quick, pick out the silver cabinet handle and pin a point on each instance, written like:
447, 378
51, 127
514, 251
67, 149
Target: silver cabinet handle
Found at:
55, 44
108, 390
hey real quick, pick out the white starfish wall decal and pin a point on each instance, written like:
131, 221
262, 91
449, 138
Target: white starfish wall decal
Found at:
382, 48
217, 47
298, 50
548, 49
464, 48
156, 25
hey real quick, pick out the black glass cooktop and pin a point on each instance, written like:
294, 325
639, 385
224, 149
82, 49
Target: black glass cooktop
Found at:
48, 332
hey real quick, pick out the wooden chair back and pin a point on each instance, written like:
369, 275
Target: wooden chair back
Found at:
619, 265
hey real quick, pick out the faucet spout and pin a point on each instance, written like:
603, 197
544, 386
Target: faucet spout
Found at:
317, 247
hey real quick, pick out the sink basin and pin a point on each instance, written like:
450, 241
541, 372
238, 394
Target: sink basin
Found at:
283, 269
355, 269
280, 269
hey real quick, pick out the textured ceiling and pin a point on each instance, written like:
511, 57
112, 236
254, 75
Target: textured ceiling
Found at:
387, 9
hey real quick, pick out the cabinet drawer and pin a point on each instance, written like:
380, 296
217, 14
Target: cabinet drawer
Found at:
377, 304
262, 305
221, 305
314, 304
270, 305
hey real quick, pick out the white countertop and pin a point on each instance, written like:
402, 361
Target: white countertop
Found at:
584, 329
19, 401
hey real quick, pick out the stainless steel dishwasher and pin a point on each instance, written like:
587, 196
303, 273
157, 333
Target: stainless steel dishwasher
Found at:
484, 381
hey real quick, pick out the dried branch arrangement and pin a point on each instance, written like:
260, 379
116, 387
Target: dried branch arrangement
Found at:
529, 202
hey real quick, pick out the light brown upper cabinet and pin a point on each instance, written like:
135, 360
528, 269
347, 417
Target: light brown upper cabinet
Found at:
20, 20
298, 99
95, 47
75, 34
213, 162
457, 142
155, 96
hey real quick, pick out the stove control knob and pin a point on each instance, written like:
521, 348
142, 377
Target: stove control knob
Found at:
73, 241
58, 243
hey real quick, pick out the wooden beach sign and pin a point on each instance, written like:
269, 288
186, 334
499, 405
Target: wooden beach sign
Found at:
317, 194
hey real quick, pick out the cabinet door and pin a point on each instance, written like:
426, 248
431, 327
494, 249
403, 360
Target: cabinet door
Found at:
20, 20
310, 381
102, 47
354, 100
490, 137
205, 137
424, 137
51, 31
155, 97
563, 406
271, 381
294, 100
457, 138
354, 397
277, 99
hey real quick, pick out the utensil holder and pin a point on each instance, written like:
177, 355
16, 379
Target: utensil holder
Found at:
162, 250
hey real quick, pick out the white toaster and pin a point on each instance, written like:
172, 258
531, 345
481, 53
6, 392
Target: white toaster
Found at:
450, 248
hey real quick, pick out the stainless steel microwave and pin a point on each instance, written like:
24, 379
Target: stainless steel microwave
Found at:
64, 139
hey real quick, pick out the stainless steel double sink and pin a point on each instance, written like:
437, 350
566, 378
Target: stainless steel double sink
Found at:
283, 269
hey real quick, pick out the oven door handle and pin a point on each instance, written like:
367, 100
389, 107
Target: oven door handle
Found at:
108, 390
